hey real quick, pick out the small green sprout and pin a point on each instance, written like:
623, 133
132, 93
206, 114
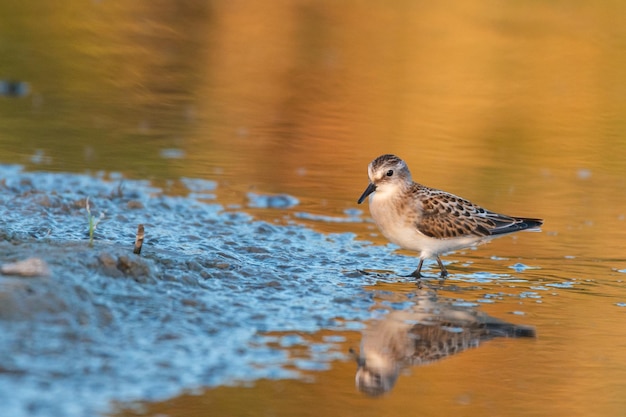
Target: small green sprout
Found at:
93, 221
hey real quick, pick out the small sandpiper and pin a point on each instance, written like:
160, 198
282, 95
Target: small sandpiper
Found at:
430, 221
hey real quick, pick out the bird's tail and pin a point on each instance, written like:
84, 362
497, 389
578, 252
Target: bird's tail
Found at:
508, 224
529, 224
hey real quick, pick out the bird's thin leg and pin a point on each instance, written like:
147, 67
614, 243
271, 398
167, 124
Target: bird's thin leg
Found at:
444, 271
418, 272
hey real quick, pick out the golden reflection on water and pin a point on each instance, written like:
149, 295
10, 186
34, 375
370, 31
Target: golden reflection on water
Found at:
518, 106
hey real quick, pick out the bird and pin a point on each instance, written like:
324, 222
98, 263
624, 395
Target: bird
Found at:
427, 220
431, 330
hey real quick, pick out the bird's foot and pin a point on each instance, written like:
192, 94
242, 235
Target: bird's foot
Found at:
418, 275
414, 274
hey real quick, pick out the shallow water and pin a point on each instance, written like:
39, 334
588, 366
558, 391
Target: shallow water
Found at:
239, 134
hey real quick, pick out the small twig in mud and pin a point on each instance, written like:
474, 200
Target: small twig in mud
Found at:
120, 190
138, 240
93, 221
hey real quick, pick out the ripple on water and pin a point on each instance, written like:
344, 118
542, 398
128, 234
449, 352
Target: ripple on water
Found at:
272, 201
352, 216
565, 284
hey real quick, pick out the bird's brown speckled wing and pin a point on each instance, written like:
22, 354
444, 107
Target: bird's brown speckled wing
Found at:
446, 216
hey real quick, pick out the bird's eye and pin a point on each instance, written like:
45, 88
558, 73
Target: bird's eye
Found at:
390, 173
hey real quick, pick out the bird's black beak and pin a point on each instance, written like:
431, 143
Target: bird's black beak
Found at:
369, 190
360, 362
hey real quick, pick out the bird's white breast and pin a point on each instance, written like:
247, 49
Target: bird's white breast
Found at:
398, 221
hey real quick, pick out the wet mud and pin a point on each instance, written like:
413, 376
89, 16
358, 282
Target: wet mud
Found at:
102, 324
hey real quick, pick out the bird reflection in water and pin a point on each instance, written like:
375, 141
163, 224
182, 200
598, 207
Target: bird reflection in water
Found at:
429, 331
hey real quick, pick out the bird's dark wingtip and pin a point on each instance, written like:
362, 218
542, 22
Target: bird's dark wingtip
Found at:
531, 224
506, 224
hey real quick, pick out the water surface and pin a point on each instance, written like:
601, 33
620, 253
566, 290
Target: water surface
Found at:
244, 304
